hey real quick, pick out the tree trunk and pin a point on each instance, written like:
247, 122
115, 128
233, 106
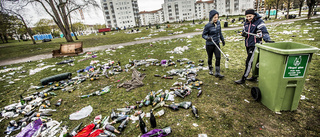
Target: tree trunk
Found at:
17, 35
75, 35
5, 38
310, 12
257, 5
1, 38
277, 4
310, 4
66, 22
300, 7
63, 25
28, 30
288, 8
269, 11
11, 37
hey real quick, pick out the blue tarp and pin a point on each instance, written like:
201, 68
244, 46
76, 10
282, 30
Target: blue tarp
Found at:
61, 35
272, 12
42, 36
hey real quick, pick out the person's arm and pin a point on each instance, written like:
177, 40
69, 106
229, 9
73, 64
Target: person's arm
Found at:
243, 33
265, 33
205, 32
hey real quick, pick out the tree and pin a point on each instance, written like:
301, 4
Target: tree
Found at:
99, 26
277, 5
269, 4
43, 26
16, 9
288, 8
300, 6
311, 4
5, 23
75, 34
16, 25
78, 26
57, 9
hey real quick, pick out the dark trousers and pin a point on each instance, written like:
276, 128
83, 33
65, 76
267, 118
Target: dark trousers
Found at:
213, 49
249, 60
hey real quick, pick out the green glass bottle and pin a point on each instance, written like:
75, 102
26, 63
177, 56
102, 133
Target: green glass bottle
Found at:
119, 119
123, 124
156, 100
153, 121
178, 93
142, 125
185, 104
195, 111
75, 130
22, 101
173, 106
158, 105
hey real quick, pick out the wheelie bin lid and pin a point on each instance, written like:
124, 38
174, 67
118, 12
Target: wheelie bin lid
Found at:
288, 48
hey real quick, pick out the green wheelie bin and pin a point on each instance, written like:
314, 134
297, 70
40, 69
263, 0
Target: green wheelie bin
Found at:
282, 69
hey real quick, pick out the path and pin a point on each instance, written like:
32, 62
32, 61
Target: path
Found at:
45, 56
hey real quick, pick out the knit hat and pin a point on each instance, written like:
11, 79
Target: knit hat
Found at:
249, 11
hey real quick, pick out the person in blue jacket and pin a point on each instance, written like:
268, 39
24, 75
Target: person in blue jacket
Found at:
212, 32
253, 25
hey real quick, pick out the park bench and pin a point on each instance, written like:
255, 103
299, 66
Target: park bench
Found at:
68, 49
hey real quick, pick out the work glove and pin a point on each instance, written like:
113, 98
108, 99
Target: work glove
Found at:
244, 34
223, 43
209, 38
269, 41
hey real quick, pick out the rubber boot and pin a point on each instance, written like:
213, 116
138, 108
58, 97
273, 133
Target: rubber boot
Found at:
210, 70
217, 74
241, 81
252, 79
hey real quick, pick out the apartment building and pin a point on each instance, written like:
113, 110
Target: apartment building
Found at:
178, 10
151, 17
120, 13
233, 7
203, 8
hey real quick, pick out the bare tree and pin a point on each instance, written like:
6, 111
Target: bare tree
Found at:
277, 5
59, 13
300, 6
17, 9
288, 8
311, 4
75, 35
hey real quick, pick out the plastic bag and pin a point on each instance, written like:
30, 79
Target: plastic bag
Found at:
84, 112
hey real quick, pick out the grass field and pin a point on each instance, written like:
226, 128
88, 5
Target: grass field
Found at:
225, 109
15, 49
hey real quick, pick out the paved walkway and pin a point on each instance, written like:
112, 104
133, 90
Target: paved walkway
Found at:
45, 56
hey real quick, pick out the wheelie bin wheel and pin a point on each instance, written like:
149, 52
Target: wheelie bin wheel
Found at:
256, 93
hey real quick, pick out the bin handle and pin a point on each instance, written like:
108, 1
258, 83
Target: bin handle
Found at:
292, 85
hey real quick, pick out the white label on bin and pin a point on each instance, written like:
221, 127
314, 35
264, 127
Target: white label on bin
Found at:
296, 66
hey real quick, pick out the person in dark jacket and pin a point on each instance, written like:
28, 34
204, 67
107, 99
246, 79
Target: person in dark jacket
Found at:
253, 25
212, 32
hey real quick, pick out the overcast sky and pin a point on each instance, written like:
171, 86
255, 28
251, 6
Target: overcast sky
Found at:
91, 17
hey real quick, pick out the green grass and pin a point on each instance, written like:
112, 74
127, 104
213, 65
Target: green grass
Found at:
15, 49
222, 109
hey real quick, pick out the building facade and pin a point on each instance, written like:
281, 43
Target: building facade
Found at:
120, 13
151, 17
178, 10
203, 8
233, 7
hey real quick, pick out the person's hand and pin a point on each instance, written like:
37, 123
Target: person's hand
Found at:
269, 41
209, 38
223, 43
244, 34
